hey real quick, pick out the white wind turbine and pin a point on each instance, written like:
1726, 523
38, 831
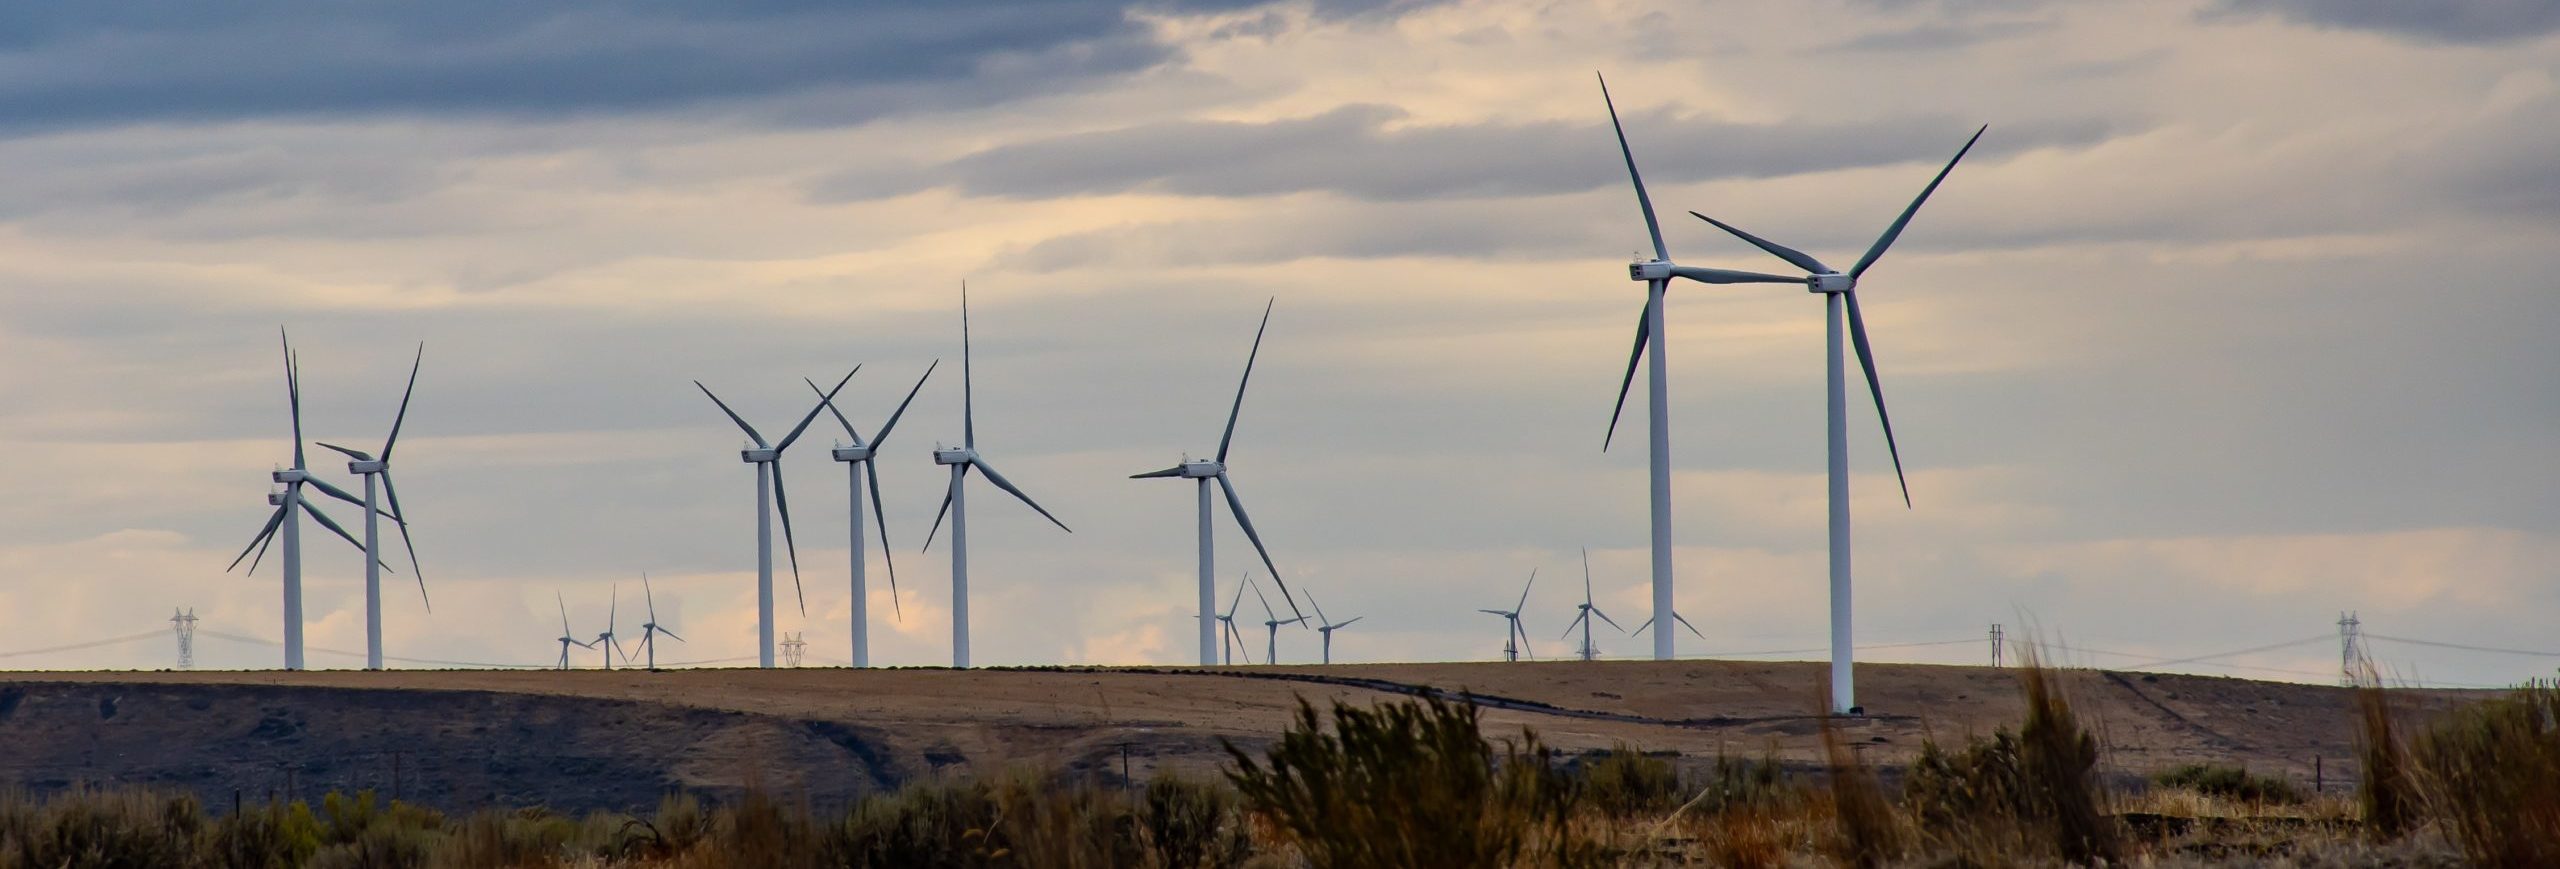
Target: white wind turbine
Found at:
649, 630
1202, 472
955, 500
1271, 621
567, 637
605, 642
767, 459
1587, 610
290, 504
1840, 291
371, 467
855, 459
1233, 638
1515, 639
1327, 626
1656, 273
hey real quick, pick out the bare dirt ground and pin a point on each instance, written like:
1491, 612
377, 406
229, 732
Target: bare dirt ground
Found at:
620, 739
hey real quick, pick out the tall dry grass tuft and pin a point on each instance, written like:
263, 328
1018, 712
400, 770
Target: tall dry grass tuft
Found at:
2058, 766
2494, 771
2388, 793
1869, 831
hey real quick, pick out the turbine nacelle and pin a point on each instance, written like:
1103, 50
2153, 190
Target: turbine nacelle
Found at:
1650, 270
1830, 282
375, 466
275, 499
955, 456
852, 454
759, 456
291, 475
1202, 469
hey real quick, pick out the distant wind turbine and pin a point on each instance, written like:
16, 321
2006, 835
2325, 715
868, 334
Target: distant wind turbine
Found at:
371, 467
290, 504
855, 459
1327, 626
1587, 610
1840, 291
649, 630
1271, 621
767, 459
1233, 637
1202, 472
955, 500
567, 637
1515, 639
612, 620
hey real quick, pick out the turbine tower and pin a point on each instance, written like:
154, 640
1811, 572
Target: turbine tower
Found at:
1656, 273
1515, 639
1583, 618
605, 642
955, 500
767, 459
567, 637
1327, 626
369, 467
1271, 621
855, 459
1201, 473
1233, 637
649, 630
1840, 292
290, 504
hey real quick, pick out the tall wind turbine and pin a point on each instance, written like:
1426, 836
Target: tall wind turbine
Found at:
649, 630
567, 637
1515, 639
605, 641
1327, 626
370, 467
767, 459
1656, 273
1588, 609
1840, 291
1232, 637
1201, 472
855, 459
955, 500
290, 504
1271, 621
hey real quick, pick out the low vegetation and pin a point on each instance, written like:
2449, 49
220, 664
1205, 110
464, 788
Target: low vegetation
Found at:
1422, 784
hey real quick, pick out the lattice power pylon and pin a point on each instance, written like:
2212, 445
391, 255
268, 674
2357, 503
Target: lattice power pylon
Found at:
792, 649
184, 623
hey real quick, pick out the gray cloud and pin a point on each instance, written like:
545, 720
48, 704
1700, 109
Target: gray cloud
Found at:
2474, 21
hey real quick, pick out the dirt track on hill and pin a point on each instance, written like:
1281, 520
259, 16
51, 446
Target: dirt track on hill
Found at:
619, 739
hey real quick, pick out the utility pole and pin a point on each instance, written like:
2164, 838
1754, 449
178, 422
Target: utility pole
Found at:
792, 648
184, 622
1995, 645
2350, 651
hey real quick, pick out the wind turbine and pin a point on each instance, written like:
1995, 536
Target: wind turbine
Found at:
1327, 626
1656, 273
290, 504
1515, 639
1588, 610
567, 637
605, 641
1271, 621
1233, 637
767, 459
1216, 469
649, 630
955, 500
855, 458
1840, 291
369, 467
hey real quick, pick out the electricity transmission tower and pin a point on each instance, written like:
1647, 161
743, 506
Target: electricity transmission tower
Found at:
184, 623
1995, 644
792, 648
2350, 647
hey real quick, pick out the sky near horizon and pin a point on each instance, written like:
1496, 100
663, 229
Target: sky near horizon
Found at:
2236, 319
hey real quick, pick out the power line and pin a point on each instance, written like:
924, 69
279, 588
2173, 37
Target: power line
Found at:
152, 634
2468, 648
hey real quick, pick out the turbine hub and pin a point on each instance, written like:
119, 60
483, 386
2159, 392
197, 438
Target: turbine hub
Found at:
759, 456
1202, 469
954, 456
292, 475
375, 466
1830, 282
1649, 270
852, 454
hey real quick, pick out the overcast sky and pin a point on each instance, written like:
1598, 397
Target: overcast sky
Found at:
2235, 320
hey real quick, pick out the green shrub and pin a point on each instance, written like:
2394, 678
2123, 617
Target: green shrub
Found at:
1191, 823
2231, 783
1623, 782
930, 824
121, 828
271, 836
2494, 773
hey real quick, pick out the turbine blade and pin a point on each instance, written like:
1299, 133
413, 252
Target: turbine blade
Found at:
881, 518
262, 554
1577, 621
1319, 608
1348, 623
403, 415
1174, 471
338, 493
398, 518
1895, 231
293, 394
565, 632
1235, 505
1650, 224
782, 501
1523, 630
1684, 622
358, 455
1730, 276
968, 392
1799, 258
258, 542
1867, 361
946, 509
1586, 576
332, 525
1605, 617
1010, 488
883, 436
733, 415
1239, 599
1523, 606
651, 597
671, 634
1266, 604
825, 401
1494, 613
1644, 331
1232, 412
830, 404
1648, 622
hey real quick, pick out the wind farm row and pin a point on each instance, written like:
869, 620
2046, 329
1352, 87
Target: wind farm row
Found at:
1218, 633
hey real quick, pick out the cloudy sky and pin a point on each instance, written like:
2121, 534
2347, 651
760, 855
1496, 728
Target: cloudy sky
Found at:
2236, 318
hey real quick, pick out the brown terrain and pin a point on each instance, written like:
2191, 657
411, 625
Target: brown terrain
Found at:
620, 739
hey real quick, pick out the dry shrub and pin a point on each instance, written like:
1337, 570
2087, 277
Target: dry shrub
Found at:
1624, 782
1190, 823
2388, 793
1870, 833
2058, 765
2495, 771
1412, 784
125, 827
2034, 791
2231, 783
